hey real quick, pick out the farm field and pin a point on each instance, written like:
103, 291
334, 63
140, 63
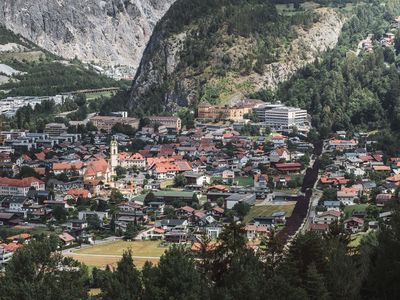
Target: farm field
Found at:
267, 210
110, 253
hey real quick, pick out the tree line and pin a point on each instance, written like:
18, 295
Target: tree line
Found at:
316, 266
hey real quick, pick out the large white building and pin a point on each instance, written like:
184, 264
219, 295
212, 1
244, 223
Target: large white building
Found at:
281, 117
20, 187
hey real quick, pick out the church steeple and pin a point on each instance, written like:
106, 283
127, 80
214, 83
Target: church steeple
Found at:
113, 156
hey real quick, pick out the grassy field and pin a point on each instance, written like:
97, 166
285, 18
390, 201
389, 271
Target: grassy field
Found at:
267, 210
94, 96
103, 261
245, 181
109, 254
357, 207
139, 248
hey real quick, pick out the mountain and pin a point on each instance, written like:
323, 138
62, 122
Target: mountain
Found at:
107, 32
219, 50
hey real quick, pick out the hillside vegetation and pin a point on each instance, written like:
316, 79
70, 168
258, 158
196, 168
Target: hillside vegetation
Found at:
346, 91
213, 50
42, 73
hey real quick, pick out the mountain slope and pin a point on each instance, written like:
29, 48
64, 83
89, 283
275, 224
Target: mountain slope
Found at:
108, 32
222, 50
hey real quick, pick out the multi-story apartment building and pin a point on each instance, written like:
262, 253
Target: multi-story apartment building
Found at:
106, 123
170, 122
55, 129
20, 187
226, 112
281, 117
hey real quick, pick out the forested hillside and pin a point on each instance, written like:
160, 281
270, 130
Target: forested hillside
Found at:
344, 90
215, 50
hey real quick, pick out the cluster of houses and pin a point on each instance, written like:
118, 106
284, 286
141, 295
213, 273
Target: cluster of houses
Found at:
357, 175
45, 173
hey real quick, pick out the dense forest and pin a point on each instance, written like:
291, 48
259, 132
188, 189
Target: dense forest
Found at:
314, 267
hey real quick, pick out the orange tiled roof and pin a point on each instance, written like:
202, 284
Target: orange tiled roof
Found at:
78, 193
67, 166
25, 182
24, 236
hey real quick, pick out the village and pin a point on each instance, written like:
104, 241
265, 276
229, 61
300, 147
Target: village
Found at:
168, 184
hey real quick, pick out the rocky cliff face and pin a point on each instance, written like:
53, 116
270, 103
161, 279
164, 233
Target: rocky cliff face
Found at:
160, 76
107, 32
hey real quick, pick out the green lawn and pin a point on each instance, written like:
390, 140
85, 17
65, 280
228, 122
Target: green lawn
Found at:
267, 210
356, 239
245, 181
357, 207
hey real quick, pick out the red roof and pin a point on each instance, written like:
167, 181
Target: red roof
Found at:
23, 236
12, 247
78, 193
288, 166
381, 168
319, 227
24, 182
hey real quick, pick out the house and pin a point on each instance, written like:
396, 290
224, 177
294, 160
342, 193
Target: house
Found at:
228, 176
332, 205
185, 211
382, 199
280, 154
213, 232
153, 233
280, 216
78, 193
19, 238
216, 212
260, 181
354, 224
66, 167
322, 228
85, 215
9, 219
231, 200
15, 203
77, 225
341, 145
267, 221
327, 217
66, 239
199, 179
288, 167
169, 224
6, 252
255, 231
347, 197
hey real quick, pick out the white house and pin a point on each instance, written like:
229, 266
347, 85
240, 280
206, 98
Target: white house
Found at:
327, 217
